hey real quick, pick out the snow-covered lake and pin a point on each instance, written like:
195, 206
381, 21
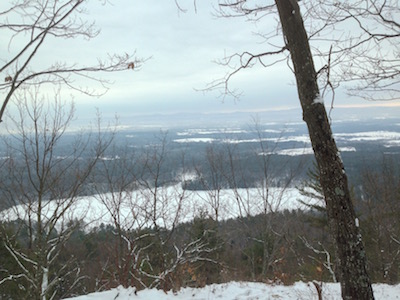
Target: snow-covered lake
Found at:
173, 204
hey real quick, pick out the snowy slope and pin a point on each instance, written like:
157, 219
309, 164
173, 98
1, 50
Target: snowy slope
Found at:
242, 291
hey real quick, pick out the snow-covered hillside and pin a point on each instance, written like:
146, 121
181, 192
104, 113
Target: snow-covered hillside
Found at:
242, 291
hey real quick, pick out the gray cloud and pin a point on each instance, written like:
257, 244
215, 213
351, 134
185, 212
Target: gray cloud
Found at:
183, 47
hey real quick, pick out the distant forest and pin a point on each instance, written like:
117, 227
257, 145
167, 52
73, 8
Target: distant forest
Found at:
279, 246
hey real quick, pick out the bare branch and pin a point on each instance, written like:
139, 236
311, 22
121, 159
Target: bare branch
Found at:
33, 23
245, 60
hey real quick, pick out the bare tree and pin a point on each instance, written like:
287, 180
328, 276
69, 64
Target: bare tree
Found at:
271, 199
355, 281
379, 214
354, 44
164, 208
114, 183
30, 25
146, 204
212, 179
259, 197
314, 200
42, 177
362, 45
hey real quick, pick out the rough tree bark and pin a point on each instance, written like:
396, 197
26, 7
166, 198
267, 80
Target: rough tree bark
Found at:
353, 276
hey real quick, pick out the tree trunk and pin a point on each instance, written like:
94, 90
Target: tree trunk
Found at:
353, 276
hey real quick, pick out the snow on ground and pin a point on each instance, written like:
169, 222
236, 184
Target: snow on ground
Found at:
300, 139
95, 210
195, 140
194, 131
369, 136
388, 137
304, 151
242, 291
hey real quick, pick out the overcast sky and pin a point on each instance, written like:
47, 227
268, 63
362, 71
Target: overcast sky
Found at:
182, 49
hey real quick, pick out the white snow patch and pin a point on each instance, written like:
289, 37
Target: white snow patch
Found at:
187, 176
303, 151
109, 158
299, 139
318, 99
390, 144
277, 131
369, 136
295, 151
347, 149
232, 141
190, 132
195, 140
305, 139
241, 291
